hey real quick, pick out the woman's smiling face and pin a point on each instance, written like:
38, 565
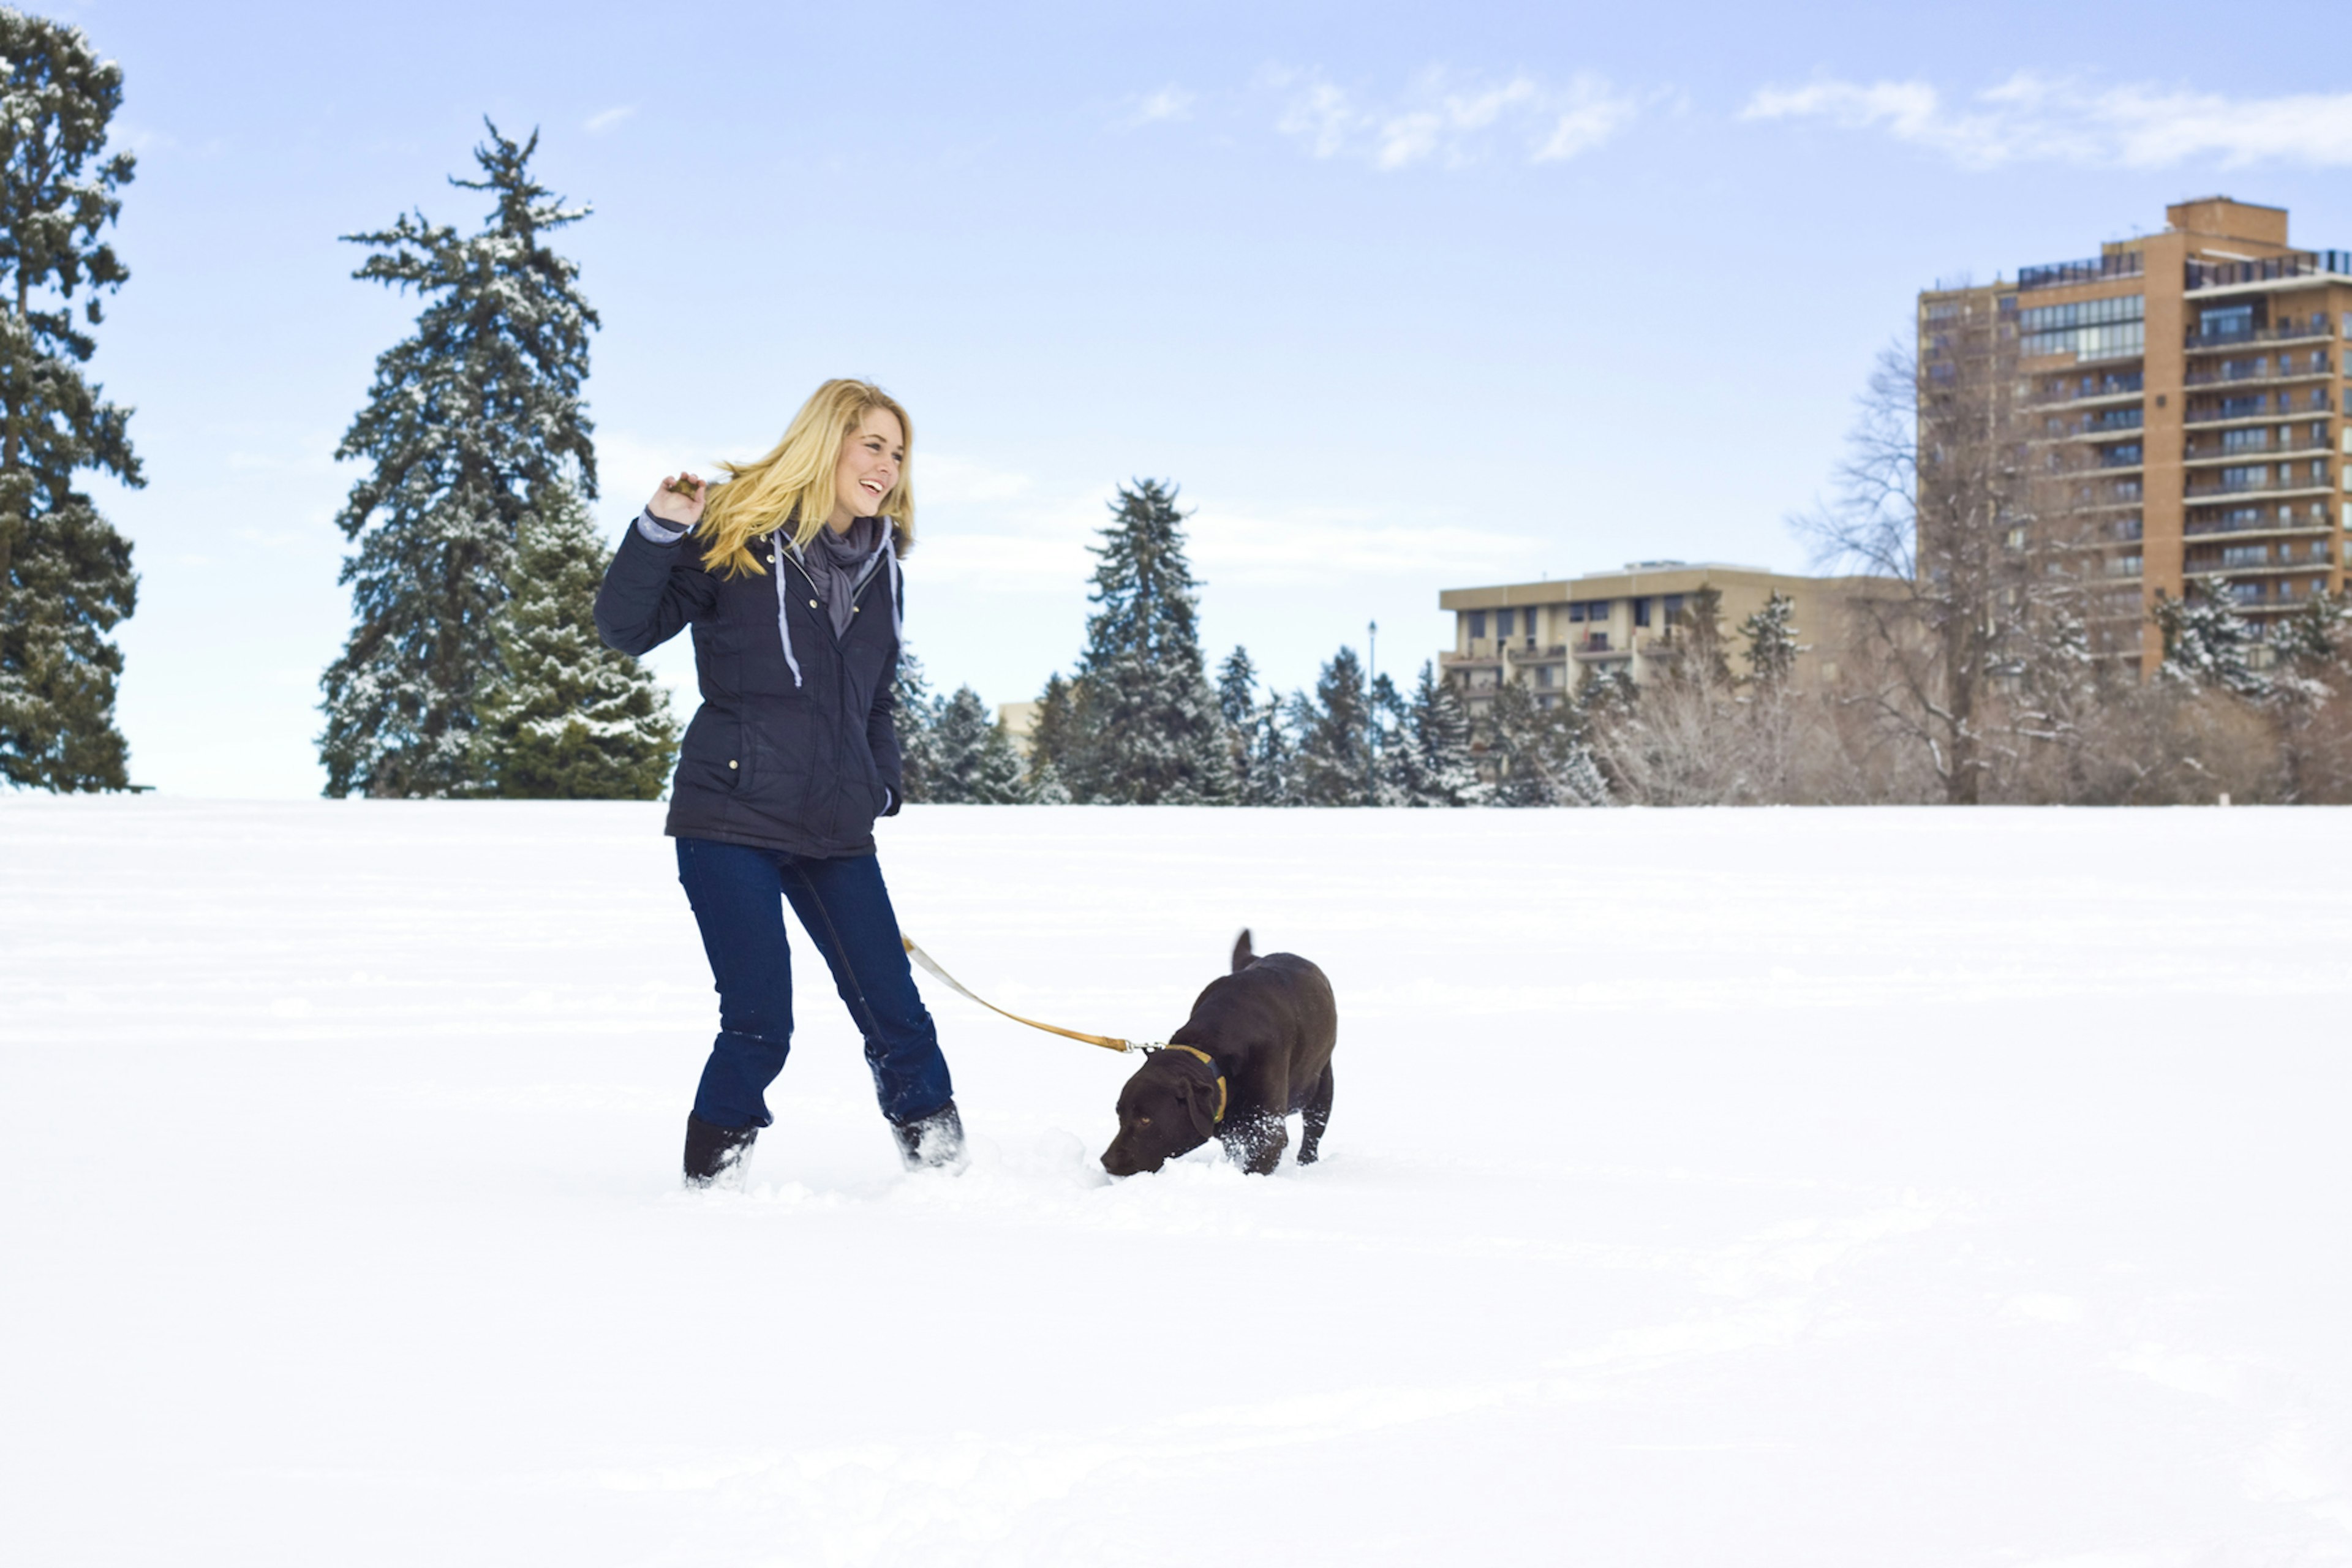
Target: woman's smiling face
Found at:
871, 458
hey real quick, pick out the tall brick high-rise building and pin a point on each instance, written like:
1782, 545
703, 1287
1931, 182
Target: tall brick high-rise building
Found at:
2198, 375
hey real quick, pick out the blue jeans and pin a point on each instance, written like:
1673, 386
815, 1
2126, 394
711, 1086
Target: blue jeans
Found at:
845, 910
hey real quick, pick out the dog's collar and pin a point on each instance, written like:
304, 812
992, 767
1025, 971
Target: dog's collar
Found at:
1195, 1050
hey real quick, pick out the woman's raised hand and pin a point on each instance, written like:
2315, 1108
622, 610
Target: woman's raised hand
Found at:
679, 500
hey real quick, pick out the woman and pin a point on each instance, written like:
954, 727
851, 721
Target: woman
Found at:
788, 571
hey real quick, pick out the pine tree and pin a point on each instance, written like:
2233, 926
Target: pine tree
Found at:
1771, 636
974, 760
1542, 757
1154, 732
2206, 642
916, 713
1043, 786
567, 718
1700, 625
65, 574
1431, 765
1335, 737
1056, 739
474, 425
1388, 728
2311, 642
1237, 701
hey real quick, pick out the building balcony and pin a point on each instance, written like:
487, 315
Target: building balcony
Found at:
2197, 527
2305, 332
2091, 269
2295, 265
2264, 411
1595, 646
2263, 372
2267, 565
2083, 435
2256, 595
2090, 392
2303, 444
2296, 485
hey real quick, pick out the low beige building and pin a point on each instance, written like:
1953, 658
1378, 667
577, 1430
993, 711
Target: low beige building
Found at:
1550, 636
1019, 722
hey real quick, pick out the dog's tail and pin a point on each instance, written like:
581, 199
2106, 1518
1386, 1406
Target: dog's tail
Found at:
1243, 956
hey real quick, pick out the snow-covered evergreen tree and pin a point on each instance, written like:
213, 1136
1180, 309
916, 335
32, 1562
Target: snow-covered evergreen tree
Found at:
1388, 732
1770, 633
2206, 642
474, 425
565, 716
1043, 786
1237, 701
1154, 731
65, 574
1699, 630
1430, 764
2312, 642
1055, 741
916, 713
974, 762
1335, 736
1540, 753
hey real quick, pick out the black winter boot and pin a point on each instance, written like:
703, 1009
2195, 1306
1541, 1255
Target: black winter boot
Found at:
934, 1141
716, 1156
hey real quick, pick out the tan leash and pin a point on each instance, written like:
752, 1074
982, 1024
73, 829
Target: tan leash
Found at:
1107, 1042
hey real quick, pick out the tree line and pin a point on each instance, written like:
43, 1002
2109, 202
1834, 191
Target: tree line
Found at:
1141, 721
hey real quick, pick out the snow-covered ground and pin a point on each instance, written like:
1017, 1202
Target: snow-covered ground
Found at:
1703, 1188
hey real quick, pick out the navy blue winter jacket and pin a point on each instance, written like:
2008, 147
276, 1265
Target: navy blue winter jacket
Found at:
794, 752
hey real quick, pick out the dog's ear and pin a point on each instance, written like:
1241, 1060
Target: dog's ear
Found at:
1200, 1104
1243, 956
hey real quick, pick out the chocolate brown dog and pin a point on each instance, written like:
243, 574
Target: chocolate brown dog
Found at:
1256, 1047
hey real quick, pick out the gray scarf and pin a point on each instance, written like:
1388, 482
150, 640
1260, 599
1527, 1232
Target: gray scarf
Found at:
836, 561
834, 564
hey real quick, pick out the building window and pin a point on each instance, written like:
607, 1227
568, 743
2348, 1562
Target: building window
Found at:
1502, 623
2256, 438
2251, 477
1543, 674
1673, 607
2246, 555
2112, 328
2223, 323
1641, 612
1477, 622
1576, 613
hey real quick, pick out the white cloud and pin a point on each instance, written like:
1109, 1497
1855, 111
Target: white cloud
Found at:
2033, 118
1170, 102
599, 124
985, 528
1451, 120
954, 481
1297, 546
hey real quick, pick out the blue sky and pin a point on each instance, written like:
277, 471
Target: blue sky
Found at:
1404, 296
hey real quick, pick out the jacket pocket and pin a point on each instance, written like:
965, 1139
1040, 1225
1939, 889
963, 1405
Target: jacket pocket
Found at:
713, 755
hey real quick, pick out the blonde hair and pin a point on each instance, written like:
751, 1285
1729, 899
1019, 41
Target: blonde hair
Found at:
793, 485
